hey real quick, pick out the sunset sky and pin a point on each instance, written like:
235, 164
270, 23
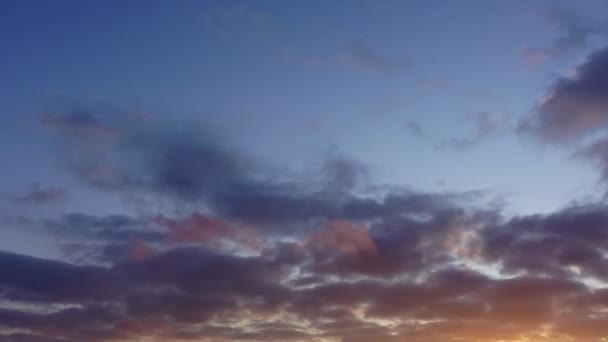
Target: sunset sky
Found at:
295, 171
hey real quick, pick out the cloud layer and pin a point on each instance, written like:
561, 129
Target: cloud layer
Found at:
253, 255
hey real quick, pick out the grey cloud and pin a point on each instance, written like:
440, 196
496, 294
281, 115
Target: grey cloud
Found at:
414, 128
574, 106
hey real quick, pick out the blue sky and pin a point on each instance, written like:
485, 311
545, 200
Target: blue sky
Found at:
285, 81
160, 111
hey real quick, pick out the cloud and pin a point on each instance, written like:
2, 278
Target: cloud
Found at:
206, 230
359, 53
572, 30
37, 280
575, 106
187, 163
101, 239
413, 278
486, 125
414, 128
574, 112
40, 195
569, 243
343, 237
249, 255
184, 161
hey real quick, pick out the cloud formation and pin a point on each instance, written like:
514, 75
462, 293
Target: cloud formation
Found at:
572, 31
314, 291
361, 54
486, 125
326, 257
38, 194
575, 106
574, 112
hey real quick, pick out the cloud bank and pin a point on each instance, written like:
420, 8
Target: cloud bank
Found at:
257, 256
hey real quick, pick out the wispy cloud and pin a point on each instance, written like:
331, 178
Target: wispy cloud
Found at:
572, 31
486, 125
252, 255
414, 128
359, 53
42, 195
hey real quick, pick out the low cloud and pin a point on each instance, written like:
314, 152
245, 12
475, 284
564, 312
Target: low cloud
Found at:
575, 106
574, 112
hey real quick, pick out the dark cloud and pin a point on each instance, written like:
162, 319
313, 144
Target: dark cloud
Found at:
569, 243
597, 152
575, 106
260, 257
86, 238
574, 112
197, 293
240, 20
32, 279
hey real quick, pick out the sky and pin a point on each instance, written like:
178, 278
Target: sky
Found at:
325, 171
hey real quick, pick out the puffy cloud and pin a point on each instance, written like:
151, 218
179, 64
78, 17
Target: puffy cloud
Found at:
575, 111
343, 237
572, 31
569, 243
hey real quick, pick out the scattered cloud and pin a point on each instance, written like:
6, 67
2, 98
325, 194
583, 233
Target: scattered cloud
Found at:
414, 128
486, 125
573, 31
253, 255
42, 195
575, 106
239, 20
412, 279
359, 53
574, 112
